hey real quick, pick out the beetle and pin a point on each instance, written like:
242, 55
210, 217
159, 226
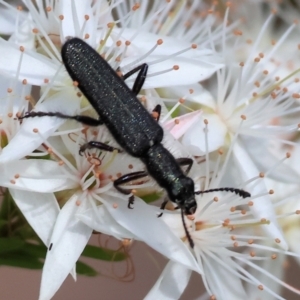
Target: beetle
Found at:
129, 122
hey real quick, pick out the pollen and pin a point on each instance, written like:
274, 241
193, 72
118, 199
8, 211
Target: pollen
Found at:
273, 256
17, 176
261, 287
233, 237
9, 90
296, 96
115, 205
265, 72
252, 253
250, 242
86, 36
46, 80
194, 46
181, 100
24, 81
256, 59
86, 17
61, 17
250, 203
271, 192
22, 49
212, 297
261, 175
77, 203
175, 67
232, 209
35, 30
19, 8
159, 42
10, 115
61, 163
48, 8
235, 244
119, 43
241, 64
205, 121
238, 32
243, 117
127, 43
12, 181
277, 240
176, 121
130, 166
75, 83
136, 6
297, 212
216, 199
35, 130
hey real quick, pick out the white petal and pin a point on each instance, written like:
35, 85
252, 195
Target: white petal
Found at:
74, 18
190, 71
34, 68
31, 140
223, 284
171, 283
263, 207
40, 211
69, 238
104, 223
8, 20
194, 138
36, 175
142, 221
145, 41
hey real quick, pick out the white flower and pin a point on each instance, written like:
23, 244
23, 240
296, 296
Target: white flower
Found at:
230, 245
242, 106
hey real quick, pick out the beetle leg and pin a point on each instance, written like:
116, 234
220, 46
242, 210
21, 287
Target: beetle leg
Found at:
97, 145
185, 161
127, 178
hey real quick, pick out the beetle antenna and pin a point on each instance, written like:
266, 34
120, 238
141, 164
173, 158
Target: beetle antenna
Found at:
191, 242
239, 192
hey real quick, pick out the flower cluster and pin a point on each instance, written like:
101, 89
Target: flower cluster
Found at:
229, 91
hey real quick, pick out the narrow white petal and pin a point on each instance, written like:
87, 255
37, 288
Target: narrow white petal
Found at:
34, 131
142, 221
194, 138
36, 175
8, 20
104, 223
171, 282
34, 68
190, 71
74, 13
40, 211
69, 238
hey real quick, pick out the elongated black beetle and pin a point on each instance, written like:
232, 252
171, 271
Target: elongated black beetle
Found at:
131, 125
